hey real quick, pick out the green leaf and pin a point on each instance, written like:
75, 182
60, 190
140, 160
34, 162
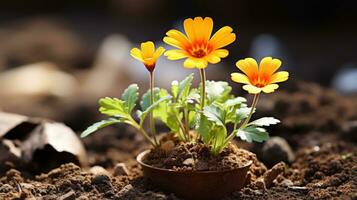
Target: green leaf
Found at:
219, 135
151, 107
130, 96
184, 87
217, 91
235, 101
265, 121
172, 115
113, 107
193, 97
241, 114
215, 114
204, 128
145, 99
160, 110
253, 133
99, 125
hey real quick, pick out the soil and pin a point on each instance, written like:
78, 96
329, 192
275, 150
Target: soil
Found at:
314, 122
197, 157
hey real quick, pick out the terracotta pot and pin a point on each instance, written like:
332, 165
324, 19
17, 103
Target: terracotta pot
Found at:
195, 184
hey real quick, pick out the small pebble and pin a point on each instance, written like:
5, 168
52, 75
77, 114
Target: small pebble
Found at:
71, 195
189, 161
99, 170
120, 169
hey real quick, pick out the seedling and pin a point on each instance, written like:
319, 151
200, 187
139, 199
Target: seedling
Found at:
210, 110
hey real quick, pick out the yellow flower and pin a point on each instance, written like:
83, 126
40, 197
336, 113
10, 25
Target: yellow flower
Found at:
197, 45
147, 55
262, 79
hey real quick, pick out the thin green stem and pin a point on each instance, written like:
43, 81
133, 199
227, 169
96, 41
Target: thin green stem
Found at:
143, 132
182, 127
203, 87
186, 123
254, 104
152, 122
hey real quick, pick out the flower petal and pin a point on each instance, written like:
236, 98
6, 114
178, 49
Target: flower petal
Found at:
181, 39
148, 49
252, 89
213, 59
173, 42
189, 27
279, 77
268, 66
189, 63
136, 53
175, 54
239, 78
222, 53
159, 51
222, 37
249, 66
270, 88
207, 28
202, 28
201, 63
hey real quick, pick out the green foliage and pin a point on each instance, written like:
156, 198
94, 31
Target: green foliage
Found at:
98, 125
130, 96
253, 133
180, 109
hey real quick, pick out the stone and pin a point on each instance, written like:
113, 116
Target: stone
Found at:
71, 195
120, 169
189, 161
275, 150
99, 170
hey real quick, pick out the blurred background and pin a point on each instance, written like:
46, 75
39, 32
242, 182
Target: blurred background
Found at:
58, 57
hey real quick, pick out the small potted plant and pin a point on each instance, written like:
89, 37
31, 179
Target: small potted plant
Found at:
197, 160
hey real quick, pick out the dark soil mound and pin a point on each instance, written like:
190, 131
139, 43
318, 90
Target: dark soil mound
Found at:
197, 157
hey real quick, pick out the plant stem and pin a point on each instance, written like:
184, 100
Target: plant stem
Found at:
254, 104
203, 87
186, 123
203, 94
143, 132
152, 122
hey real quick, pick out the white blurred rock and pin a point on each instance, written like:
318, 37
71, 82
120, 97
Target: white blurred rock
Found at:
38, 79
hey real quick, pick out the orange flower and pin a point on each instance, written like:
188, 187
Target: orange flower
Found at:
262, 79
147, 55
197, 45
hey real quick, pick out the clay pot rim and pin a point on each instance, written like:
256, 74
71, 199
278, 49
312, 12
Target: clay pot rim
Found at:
142, 154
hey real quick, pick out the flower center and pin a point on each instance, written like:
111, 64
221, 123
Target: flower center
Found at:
199, 53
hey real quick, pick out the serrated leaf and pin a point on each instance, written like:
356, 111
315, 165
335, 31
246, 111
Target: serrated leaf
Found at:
130, 96
265, 121
217, 91
253, 133
145, 99
171, 120
151, 107
160, 110
99, 125
241, 114
214, 114
204, 128
184, 87
235, 101
193, 97
112, 107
